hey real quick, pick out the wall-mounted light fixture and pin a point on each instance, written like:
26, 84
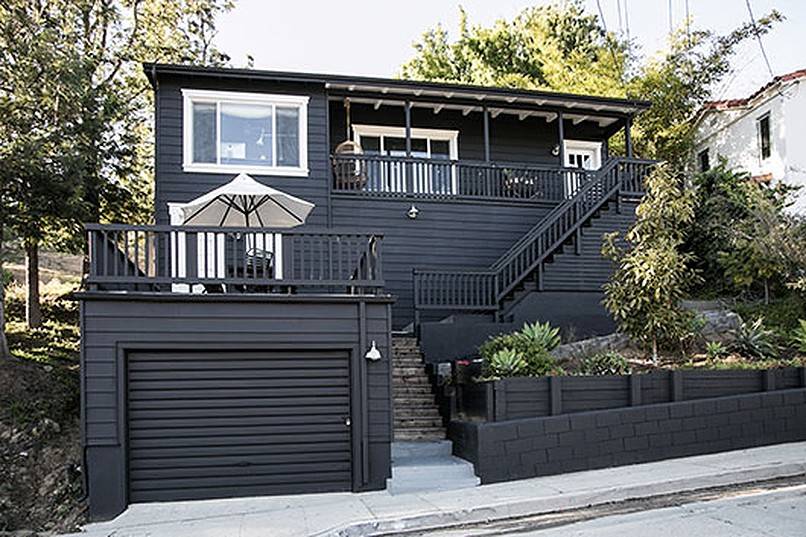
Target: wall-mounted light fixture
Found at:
373, 354
413, 212
555, 150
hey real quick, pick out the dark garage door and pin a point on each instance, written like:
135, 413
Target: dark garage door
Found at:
225, 424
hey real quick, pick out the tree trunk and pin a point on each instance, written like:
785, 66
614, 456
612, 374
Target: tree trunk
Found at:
654, 350
766, 292
4, 352
33, 312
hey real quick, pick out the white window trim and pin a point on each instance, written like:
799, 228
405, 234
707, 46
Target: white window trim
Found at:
766, 115
585, 145
444, 135
189, 96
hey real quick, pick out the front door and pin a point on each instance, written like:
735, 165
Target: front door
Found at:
582, 155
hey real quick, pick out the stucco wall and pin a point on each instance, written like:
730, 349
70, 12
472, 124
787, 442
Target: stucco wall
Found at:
733, 134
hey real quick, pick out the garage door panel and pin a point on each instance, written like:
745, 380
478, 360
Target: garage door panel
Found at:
233, 431
241, 402
230, 472
290, 456
279, 413
302, 487
203, 385
198, 429
330, 416
237, 393
290, 371
226, 451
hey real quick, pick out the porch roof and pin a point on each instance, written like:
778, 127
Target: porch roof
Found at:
460, 95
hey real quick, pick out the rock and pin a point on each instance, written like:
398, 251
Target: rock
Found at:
719, 325
586, 347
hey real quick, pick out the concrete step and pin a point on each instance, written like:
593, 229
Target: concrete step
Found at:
424, 467
404, 450
403, 371
416, 412
419, 435
403, 390
406, 422
409, 380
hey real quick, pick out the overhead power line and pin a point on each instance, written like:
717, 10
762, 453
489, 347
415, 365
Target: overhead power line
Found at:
758, 38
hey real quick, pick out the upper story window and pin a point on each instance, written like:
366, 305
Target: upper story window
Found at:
704, 161
245, 132
764, 136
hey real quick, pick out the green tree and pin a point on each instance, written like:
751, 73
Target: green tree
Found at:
560, 47
77, 111
652, 272
738, 233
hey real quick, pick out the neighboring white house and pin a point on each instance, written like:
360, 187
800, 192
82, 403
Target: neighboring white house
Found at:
764, 134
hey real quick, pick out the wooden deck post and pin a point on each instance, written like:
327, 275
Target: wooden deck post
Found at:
486, 114
408, 166
561, 138
628, 136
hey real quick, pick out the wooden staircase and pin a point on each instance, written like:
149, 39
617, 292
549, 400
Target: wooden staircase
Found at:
519, 271
416, 416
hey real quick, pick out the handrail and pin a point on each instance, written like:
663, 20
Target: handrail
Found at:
535, 245
384, 175
252, 259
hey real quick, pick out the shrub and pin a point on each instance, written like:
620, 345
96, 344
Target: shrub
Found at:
754, 340
505, 363
799, 336
533, 343
542, 335
715, 350
605, 363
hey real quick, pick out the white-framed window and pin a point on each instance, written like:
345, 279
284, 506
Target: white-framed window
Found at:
583, 154
438, 145
237, 132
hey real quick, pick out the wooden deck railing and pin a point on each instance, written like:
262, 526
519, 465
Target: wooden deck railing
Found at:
391, 176
218, 259
449, 290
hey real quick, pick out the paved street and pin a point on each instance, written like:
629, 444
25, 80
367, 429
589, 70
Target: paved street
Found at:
778, 513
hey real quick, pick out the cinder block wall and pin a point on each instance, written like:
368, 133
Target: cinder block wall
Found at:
532, 447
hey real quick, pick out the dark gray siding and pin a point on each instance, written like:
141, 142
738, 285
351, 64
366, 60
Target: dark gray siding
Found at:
511, 139
444, 234
174, 185
588, 270
113, 327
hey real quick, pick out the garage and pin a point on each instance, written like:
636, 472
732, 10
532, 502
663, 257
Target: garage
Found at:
223, 424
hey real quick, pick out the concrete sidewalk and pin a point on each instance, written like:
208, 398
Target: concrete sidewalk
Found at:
376, 513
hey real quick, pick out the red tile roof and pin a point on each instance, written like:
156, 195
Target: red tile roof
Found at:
725, 104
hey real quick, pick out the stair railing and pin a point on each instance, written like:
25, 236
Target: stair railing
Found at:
484, 290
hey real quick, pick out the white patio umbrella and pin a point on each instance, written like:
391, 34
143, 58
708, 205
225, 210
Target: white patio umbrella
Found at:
244, 202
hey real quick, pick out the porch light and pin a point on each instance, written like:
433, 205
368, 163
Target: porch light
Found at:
373, 354
413, 212
555, 150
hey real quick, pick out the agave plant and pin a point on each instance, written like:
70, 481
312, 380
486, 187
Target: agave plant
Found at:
605, 363
505, 363
542, 335
754, 340
799, 336
715, 350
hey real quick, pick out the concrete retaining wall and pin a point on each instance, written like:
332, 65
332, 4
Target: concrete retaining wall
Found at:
518, 449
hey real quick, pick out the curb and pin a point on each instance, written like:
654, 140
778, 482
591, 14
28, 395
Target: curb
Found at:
438, 519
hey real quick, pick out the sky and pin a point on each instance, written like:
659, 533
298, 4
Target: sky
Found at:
374, 37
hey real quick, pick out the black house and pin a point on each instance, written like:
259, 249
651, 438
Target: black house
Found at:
226, 359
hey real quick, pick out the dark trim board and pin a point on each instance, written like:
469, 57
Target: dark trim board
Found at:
116, 328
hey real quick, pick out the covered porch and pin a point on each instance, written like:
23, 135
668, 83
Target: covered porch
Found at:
421, 139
